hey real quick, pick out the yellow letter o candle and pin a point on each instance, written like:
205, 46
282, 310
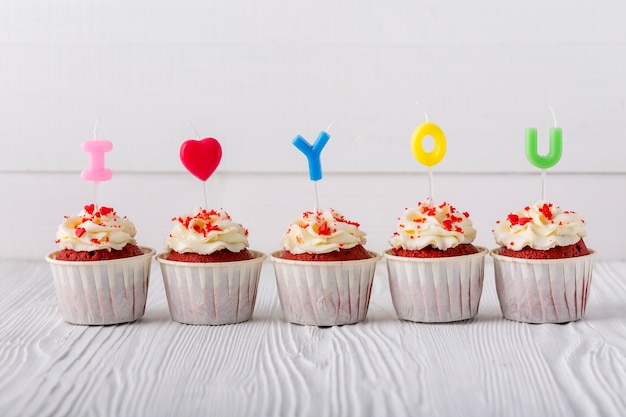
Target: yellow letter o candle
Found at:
436, 155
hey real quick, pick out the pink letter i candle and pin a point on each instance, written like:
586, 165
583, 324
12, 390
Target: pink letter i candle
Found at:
96, 171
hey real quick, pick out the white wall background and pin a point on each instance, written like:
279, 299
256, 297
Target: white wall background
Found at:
255, 74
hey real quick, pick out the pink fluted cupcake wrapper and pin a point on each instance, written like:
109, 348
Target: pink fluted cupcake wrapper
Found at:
102, 292
436, 290
212, 293
543, 291
324, 293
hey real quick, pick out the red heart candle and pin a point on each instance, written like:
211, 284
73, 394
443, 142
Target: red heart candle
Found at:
201, 157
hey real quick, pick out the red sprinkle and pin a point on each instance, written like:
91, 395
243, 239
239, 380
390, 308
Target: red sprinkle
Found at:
447, 224
344, 220
545, 210
80, 231
90, 208
514, 219
323, 229
106, 210
206, 217
429, 211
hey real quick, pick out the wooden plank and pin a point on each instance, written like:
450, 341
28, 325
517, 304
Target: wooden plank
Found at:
485, 366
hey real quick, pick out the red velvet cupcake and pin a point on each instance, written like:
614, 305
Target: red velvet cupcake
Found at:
101, 275
209, 274
435, 272
543, 267
324, 273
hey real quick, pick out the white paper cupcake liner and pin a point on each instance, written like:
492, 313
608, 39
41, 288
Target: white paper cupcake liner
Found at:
324, 293
436, 290
102, 292
211, 293
543, 291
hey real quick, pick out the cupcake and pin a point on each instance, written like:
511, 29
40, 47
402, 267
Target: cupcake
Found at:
542, 266
435, 272
100, 274
209, 274
324, 273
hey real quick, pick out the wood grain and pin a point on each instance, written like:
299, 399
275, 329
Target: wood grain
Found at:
383, 366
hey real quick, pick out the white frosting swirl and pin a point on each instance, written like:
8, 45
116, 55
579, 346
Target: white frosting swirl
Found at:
542, 226
321, 232
441, 227
206, 232
95, 229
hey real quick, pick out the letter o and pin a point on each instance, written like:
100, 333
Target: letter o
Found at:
436, 155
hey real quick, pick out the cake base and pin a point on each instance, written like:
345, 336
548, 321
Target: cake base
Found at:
223, 255
430, 252
560, 252
353, 254
99, 255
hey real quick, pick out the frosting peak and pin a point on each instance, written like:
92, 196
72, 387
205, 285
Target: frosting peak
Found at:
322, 232
440, 227
95, 229
542, 226
205, 232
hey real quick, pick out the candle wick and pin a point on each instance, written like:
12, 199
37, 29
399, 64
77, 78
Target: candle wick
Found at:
425, 114
194, 129
331, 123
553, 116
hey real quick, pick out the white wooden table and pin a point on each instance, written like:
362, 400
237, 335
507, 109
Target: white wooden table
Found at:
487, 366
